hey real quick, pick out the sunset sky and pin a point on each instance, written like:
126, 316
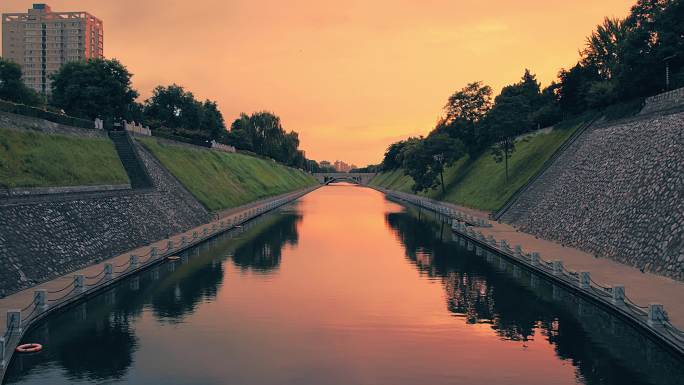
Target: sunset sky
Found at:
350, 76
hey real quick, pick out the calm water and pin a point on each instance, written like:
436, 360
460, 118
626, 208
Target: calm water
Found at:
341, 287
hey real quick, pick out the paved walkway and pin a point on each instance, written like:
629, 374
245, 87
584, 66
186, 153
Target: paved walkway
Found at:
23, 298
642, 288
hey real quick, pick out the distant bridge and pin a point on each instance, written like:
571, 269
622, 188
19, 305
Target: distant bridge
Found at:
355, 177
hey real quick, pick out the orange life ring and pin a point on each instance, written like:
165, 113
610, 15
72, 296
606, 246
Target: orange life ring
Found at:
173, 258
29, 348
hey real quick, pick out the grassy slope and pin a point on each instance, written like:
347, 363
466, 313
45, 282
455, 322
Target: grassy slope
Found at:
221, 180
481, 183
33, 159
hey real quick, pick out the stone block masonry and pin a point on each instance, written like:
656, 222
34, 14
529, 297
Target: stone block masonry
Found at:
44, 238
664, 101
617, 192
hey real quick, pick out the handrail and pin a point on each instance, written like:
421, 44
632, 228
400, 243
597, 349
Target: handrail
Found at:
41, 309
652, 317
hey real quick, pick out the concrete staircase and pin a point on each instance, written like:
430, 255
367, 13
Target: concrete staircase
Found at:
137, 174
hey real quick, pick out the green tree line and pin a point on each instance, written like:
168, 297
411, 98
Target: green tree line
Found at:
623, 61
101, 88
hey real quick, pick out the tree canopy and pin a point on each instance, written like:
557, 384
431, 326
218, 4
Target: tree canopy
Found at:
174, 110
622, 59
262, 133
96, 88
12, 88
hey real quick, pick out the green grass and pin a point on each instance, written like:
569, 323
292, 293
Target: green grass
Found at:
34, 159
221, 180
481, 183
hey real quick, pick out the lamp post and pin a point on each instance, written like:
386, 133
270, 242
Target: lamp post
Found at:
440, 158
667, 71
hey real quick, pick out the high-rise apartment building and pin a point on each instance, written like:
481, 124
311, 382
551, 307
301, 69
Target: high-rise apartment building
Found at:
41, 41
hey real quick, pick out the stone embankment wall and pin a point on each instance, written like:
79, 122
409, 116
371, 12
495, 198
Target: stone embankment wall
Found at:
617, 192
42, 238
664, 101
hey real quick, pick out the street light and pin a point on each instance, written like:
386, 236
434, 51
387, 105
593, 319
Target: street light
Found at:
667, 71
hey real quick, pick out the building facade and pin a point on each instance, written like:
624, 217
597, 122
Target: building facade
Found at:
41, 41
341, 166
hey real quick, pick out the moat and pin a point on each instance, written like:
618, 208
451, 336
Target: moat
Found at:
340, 287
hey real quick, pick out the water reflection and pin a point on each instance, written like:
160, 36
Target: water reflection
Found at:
520, 306
264, 252
342, 288
95, 342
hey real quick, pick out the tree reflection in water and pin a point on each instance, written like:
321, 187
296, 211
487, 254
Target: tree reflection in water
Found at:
95, 341
480, 293
263, 254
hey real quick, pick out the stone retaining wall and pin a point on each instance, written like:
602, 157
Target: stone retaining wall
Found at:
43, 239
617, 192
664, 101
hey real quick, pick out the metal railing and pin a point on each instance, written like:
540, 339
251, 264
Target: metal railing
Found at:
438, 207
653, 316
46, 300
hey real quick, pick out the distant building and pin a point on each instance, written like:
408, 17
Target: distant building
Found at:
341, 166
41, 41
325, 163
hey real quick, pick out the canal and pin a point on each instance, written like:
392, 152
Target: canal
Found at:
341, 287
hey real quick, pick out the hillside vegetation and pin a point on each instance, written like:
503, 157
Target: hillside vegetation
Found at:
222, 180
34, 159
481, 183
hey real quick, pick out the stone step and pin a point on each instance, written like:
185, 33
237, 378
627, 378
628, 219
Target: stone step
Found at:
131, 162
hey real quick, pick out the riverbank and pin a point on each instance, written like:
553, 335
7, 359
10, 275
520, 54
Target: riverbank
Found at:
54, 230
481, 182
64, 289
221, 180
642, 288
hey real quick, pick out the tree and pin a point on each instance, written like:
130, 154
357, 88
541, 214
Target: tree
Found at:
393, 156
212, 123
240, 134
97, 88
549, 112
445, 151
417, 164
503, 122
173, 107
529, 98
263, 134
463, 111
425, 159
574, 87
470, 103
176, 110
603, 48
12, 88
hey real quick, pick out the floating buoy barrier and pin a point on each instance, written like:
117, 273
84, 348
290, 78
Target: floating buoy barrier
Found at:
29, 348
173, 258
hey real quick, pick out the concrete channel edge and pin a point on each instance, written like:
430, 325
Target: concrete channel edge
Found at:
651, 319
17, 326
